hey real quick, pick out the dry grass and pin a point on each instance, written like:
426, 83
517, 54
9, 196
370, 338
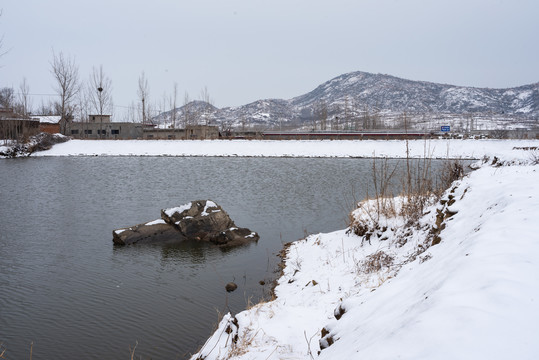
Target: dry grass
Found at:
3, 351
420, 188
242, 345
375, 262
132, 351
534, 157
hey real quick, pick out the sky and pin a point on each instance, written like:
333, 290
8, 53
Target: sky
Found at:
246, 50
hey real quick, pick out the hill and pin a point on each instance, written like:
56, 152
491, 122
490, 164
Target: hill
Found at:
361, 100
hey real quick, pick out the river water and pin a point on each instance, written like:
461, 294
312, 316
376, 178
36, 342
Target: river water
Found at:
65, 289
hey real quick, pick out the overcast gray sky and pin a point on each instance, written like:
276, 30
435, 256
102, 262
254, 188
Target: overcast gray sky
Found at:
245, 50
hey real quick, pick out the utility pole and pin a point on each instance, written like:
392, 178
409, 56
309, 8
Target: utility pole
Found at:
99, 94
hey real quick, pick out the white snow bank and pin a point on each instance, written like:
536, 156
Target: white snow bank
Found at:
468, 149
474, 295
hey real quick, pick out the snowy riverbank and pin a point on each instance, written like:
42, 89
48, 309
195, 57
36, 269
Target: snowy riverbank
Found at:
466, 149
473, 295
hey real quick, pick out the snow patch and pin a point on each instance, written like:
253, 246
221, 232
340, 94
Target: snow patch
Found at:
156, 222
208, 208
179, 209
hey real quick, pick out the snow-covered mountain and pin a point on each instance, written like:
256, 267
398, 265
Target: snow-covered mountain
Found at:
351, 101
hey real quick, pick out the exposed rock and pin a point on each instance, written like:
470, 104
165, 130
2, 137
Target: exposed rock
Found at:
326, 339
152, 232
232, 237
231, 287
339, 311
201, 220
198, 219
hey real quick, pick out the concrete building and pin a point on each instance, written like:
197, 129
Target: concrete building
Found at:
110, 130
99, 118
101, 127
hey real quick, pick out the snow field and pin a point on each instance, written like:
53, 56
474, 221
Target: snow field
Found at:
435, 148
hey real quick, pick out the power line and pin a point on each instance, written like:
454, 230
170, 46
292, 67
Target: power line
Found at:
18, 93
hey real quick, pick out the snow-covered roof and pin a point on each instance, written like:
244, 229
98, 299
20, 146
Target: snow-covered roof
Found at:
48, 119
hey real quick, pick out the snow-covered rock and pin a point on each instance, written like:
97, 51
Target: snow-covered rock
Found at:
201, 220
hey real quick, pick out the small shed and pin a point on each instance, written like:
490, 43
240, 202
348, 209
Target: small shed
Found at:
48, 123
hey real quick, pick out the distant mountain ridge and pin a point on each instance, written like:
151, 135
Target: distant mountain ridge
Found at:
355, 94
396, 94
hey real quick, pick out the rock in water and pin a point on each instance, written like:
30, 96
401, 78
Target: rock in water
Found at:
148, 233
198, 219
201, 220
233, 236
231, 287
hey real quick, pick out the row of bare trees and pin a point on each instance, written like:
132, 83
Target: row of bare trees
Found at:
352, 115
74, 97
93, 95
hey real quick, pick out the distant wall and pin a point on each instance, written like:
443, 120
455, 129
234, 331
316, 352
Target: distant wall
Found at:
49, 128
111, 130
190, 133
383, 135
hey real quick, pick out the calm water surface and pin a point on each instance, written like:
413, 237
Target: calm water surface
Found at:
67, 289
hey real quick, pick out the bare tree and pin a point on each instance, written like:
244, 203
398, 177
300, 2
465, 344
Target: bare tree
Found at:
7, 97
83, 108
131, 113
162, 110
208, 103
357, 110
186, 110
66, 75
173, 104
24, 98
143, 95
347, 117
100, 94
335, 122
321, 109
2, 53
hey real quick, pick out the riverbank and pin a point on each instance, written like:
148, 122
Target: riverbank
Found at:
434, 148
474, 294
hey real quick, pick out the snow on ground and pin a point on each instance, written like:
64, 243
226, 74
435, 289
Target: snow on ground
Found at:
473, 295
470, 149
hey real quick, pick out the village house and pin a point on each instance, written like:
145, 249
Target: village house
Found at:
48, 123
